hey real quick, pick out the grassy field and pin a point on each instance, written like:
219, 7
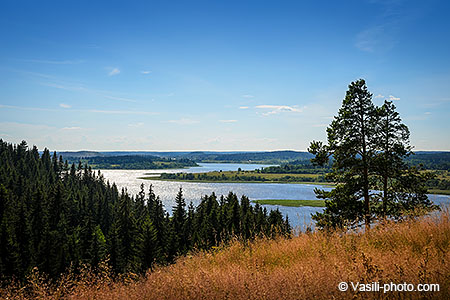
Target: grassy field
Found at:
439, 192
309, 266
243, 177
293, 203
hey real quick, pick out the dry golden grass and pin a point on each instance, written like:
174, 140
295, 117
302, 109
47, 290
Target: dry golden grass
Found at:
306, 267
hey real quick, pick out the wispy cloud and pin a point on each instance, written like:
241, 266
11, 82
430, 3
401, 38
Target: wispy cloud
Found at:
381, 36
136, 125
26, 108
119, 98
64, 105
104, 94
243, 107
436, 102
71, 128
277, 109
99, 111
379, 96
227, 121
120, 112
146, 72
113, 72
54, 62
392, 98
370, 39
183, 121
248, 96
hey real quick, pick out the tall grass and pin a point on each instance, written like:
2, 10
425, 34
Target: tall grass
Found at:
306, 267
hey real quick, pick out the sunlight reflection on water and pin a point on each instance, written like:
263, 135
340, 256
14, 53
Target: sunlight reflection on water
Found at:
193, 191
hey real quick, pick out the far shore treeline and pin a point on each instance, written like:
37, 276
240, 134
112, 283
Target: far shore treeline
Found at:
56, 216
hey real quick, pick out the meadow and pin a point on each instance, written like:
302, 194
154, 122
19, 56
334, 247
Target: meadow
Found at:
292, 203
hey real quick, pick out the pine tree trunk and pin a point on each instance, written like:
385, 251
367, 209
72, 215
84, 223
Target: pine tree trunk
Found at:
385, 195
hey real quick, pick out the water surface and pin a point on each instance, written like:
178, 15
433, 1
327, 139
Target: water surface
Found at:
193, 191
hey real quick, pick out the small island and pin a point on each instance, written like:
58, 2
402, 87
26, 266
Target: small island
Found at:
242, 177
291, 203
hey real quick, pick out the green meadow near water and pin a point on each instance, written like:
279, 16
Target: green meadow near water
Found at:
292, 203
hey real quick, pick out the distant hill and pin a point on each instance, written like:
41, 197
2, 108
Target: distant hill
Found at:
201, 156
138, 162
265, 156
249, 157
431, 160
79, 154
438, 160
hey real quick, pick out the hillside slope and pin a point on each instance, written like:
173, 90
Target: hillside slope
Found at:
307, 267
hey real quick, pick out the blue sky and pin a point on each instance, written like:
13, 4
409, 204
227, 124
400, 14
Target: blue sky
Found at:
216, 75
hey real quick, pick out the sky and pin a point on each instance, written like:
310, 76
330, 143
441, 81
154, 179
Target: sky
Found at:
216, 75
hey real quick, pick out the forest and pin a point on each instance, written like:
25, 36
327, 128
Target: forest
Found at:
55, 216
132, 162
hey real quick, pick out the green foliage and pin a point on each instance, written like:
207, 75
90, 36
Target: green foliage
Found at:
272, 157
368, 146
56, 217
243, 176
144, 162
430, 160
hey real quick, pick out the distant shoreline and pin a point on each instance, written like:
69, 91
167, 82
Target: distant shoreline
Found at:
235, 181
324, 184
291, 203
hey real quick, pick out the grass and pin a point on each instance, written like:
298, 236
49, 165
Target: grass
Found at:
293, 203
439, 192
309, 266
243, 177
234, 181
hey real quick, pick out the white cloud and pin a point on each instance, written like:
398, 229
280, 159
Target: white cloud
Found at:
243, 107
276, 109
71, 128
136, 125
392, 98
119, 98
248, 96
63, 105
146, 72
227, 121
428, 113
379, 96
183, 121
113, 72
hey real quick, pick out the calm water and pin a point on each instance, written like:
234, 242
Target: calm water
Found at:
298, 216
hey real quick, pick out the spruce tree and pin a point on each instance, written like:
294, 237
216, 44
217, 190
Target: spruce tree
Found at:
178, 224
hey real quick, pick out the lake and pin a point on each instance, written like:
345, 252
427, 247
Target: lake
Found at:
193, 191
